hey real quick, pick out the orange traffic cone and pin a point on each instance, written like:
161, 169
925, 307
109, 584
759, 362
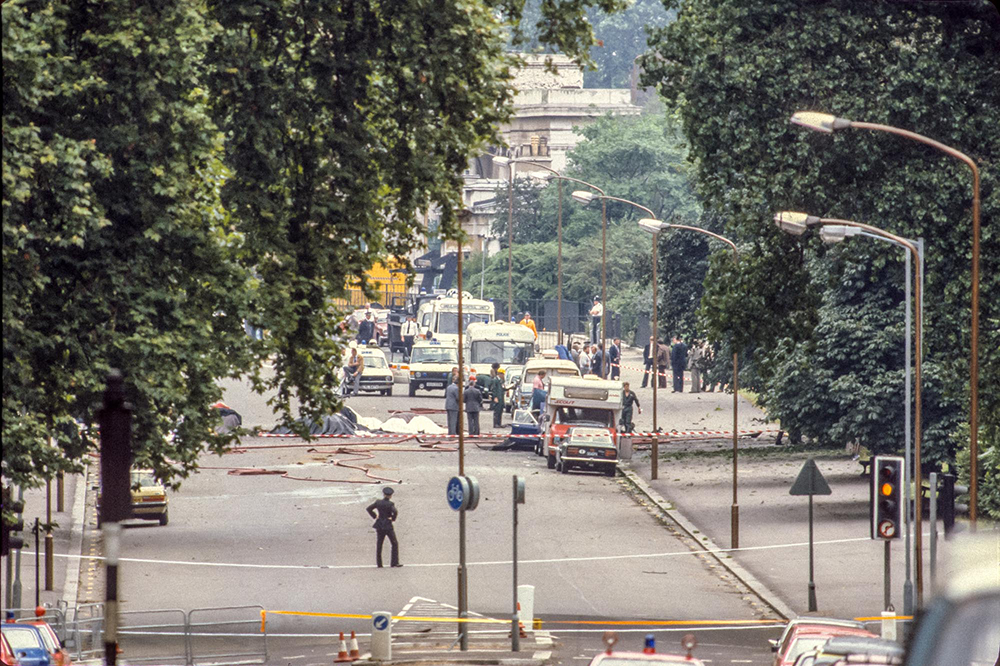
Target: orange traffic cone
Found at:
355, 652
520, 625
342, 653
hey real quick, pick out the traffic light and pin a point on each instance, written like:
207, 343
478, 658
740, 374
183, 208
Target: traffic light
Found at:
887, 497
16, 524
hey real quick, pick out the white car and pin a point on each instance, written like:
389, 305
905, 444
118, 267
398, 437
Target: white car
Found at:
376, 376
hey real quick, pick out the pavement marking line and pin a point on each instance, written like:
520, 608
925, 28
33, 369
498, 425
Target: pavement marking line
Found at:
555, 560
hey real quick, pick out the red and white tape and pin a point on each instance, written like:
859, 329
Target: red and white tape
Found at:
665, 435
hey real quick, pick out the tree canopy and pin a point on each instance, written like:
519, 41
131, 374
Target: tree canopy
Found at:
821, 329
173, 168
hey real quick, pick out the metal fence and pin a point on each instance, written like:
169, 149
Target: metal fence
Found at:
227, 634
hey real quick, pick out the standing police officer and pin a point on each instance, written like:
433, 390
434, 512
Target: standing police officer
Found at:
383, 526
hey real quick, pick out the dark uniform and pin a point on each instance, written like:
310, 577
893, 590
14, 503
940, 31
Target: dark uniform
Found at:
387, 513
473, 405
496, 391
626, 419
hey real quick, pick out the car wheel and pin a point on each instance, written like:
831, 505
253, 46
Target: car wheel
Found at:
563, 467
388, 391
611, 470
552, 462
164, 518
413, 390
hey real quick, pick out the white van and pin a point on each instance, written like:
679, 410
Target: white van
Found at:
500, 342
439, 317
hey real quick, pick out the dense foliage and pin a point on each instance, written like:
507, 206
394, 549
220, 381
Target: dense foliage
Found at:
821, 330
173, 168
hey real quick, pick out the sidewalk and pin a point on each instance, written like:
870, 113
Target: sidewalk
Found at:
66, 539
696, 478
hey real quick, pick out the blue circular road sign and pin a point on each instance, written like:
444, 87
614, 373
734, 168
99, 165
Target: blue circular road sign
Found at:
458, 493
381, 622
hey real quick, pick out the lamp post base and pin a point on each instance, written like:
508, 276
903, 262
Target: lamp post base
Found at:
734, 526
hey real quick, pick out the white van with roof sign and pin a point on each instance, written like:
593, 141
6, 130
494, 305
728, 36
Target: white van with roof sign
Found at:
439, 317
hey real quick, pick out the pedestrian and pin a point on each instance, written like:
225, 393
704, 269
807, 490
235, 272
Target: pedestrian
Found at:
596, 313
538, 391
574, 353
629, 398
451, 407
678, 361
662, 363
453, 377
408, 331
597, 361
615, 358
695, 361
366, 329
707, 363
528, 322
473, 405
648, 356
352, 372
496, 393
386, 516
585, 360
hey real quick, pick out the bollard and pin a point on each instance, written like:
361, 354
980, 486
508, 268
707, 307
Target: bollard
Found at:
526, 598
889, 624
381, 645
625, 448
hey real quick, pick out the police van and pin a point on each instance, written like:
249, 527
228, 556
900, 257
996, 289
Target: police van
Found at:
502, 342
430, 364
439, 317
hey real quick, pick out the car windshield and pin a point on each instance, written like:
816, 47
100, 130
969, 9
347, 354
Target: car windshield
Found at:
590, 436
49, 639
22, 638
604, 418
805, 644
143, 479
500, 351
529, 376
375, 361
434, 355
447, 322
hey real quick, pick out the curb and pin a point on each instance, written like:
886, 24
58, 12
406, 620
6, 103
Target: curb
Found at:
72, 582
758, 588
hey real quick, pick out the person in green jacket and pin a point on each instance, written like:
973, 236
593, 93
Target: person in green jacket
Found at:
495, 390
629, 398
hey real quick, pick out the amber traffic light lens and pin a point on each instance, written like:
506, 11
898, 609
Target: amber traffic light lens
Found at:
887, 489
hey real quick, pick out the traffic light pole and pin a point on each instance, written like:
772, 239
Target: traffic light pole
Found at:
887, 600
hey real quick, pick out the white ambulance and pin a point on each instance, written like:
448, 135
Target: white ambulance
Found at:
500, 342
439, 317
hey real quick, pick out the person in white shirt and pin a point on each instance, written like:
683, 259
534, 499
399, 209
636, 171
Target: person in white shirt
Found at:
408, 331
596, 314
585, 360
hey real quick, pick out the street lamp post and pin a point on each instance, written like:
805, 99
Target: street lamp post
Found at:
797, 224
552, 173
463, 570
835, 234
586, 198
826, 123
509, 163
655, 226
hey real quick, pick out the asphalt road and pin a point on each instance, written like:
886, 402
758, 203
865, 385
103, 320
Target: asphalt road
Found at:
302, 543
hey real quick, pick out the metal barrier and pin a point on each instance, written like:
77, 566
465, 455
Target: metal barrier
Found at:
85, 634
159, 636
199, 634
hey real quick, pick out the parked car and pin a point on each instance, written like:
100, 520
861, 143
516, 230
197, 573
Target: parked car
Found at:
27, 644
149, 497
806, 638
779, 644
590, 449
648, 657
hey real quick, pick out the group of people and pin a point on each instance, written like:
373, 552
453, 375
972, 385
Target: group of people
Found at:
472, 396
592, 359
677, 357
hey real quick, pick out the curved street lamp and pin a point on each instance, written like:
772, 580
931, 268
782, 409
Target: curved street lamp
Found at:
552, 173
837, 233
509, 163
797, 224
827, 123
653, 227
585, 198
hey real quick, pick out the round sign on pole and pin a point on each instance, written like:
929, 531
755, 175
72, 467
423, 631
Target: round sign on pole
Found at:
473, 484
458, 493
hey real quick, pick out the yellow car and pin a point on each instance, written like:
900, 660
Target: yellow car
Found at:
149, 497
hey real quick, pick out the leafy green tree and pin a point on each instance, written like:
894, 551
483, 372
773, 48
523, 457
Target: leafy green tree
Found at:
172, 168
115, 250
820, 347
